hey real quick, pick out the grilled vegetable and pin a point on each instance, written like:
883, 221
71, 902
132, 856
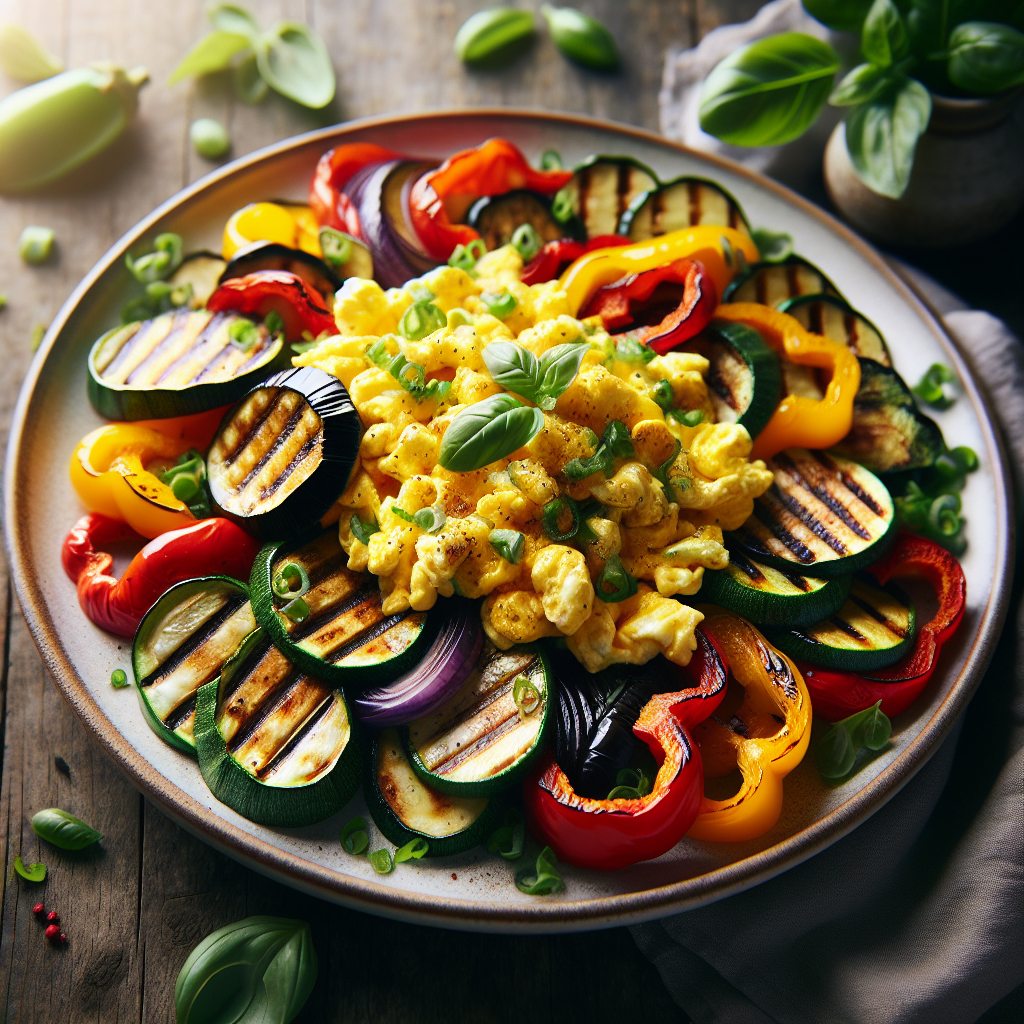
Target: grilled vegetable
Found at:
404, 807
274, 744
201, 272
773, 283
823, 515
875, 628
486, 736
284, 453
831, 316
600, 191
179, 363
681, 203
274, 256
300, 307
770, 597
744, 380
336, 630
497, 217
182, 643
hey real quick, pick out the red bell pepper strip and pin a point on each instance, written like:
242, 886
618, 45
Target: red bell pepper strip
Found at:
623, 302
610, 834
279, 291
330, 206
212, 547
554, 257
837, 695
441, 197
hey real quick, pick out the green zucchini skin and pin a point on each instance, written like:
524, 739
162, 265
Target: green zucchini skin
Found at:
888, 611
774, 283
342, 621
396, 831
126, 402
497, 217
230, 782
753, 591
824, 516
487, 695
601, 190
678, 204
745, 378
834, 318
224, 624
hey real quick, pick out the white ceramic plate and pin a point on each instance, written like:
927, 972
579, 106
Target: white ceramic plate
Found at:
475, 890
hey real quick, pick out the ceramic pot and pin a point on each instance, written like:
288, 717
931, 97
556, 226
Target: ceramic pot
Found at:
967, 181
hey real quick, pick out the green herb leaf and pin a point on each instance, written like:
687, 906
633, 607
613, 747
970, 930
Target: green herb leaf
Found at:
842, 15
420, 319
986, 57
246, 81
881, 137
363, 531
581, 38
836, 752
118, 678
932, 388
430, 520
544, 879
415, 849
510, 544
63, 829
773, 246
232, 18
873, 729
254, 971
354, 837
24, 58
381, 862
213, 52
492, 34
509, 840
769, 91
630, 784
294, 61
559, 366
864, 83
551, 160
488, 431
614, 584
32, 872
883, 37
514, 368
629, 350
245, 334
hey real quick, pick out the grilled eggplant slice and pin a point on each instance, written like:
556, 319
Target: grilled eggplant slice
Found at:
835, 319
404, 807
775, 283
201, 270
745, 378
682, 203
479, 742
824, 516
274, 744
599, 193
343, 637
876, 627
177, 364
770, 597
497, 217
182, 643
284, 453
275, 256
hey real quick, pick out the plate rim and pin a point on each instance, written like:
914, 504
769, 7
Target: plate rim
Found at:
459, 913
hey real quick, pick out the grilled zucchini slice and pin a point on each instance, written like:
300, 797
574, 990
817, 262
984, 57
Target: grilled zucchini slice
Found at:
874, 628
771, 597
479, 743
284, 453
182, 643
404, 807
177, 364
824, 516
682, 203
744, 381
346, 639
274, 744
599, 193
774, 283
497, 217
830, 316
201, 271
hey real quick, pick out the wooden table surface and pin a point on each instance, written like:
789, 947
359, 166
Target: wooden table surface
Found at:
134, 906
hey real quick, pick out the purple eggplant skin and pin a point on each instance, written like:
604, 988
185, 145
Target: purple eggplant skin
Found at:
275, 256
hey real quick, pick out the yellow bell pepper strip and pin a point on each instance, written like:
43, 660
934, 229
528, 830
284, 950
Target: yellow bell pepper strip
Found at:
801, 422
108, 471
766, 736
722, 251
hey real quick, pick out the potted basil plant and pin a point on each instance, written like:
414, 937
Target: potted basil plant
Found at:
931, 150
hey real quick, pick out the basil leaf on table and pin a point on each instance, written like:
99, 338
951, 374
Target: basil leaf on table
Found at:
254, 971
214, 52
769, 91
491, 34
488, 431
245, 77
294, 61
881, 137
232, 18
842, 15
30, 872
985, 57
581, 38
63, 829
863, 84
883, 39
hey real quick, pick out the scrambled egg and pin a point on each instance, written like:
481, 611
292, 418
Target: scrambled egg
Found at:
656, 514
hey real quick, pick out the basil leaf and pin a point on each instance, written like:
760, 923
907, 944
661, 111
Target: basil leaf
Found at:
773, 246
492, 34
294, 61
985, 57
836, 752
544, 879
256, 970
515, 368
558, 368
874, 728
232, 18
883, 39
213, 52
63, 829
881, 137
842, 15
581, 38
32, 872
769, 91
488, 431
863, 84
245, 78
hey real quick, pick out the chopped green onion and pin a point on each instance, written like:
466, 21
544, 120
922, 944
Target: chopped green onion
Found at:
509, 840
692, 418
382, 862
629, 350
210, 138
931, 388
36, 245
363, 531
38, 333
185, 488
550, 160
525, 695
562, 207
544, 879
663, 394
411, 376
420, 319
430, 520
409, 517
413, 850
159, 264
274, 323
465, 257
615, 584
354, 838
459, 317
297, 610
526, 241
118, 678
499, 304
966, 458
551, 516
245, 334
282, 582
336, 247
510, 544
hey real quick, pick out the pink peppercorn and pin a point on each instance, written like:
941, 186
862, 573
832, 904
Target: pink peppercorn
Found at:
53, 932
38, 909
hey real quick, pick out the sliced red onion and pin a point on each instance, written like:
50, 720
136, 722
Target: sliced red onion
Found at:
446, 666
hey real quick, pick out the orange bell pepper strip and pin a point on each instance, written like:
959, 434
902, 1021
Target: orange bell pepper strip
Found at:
722, 252
766, 736
801, 422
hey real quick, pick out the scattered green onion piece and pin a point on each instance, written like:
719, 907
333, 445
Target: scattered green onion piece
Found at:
420, 319
630, 784
354, 837
336, 247
3, 301
209, 138
944, 515
526, 241
966, 458
419, 292
459, 317
525, 695
661, 473
38, 333
185, 488
552, 513
692, 418
663, 394
615, 584
411, 376
245, 334
430, 520
465, 257
155, 266
297, 610
274, 323
35, 245
628, 350
931, 390
510, 544
409, 517
282, 582
544, 878
499, 304
118, 678
363, 531
562, 207
509, 840
382, 862
415, 849
551, 160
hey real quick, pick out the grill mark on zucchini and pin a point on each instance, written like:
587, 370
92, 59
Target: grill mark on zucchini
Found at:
800, 582
367, 636
149, 335
800, 551
489, 738
280, 437
178, 341
820, 489
845, 627
208, 345
300, 734
809, 519
182, 713
308, 447
851, 485
879, 616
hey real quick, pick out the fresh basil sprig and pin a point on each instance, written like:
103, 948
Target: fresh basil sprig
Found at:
256, 970
541, 381
544, 879
488, 431
837, 749
985, 57
363, 531
63, 829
